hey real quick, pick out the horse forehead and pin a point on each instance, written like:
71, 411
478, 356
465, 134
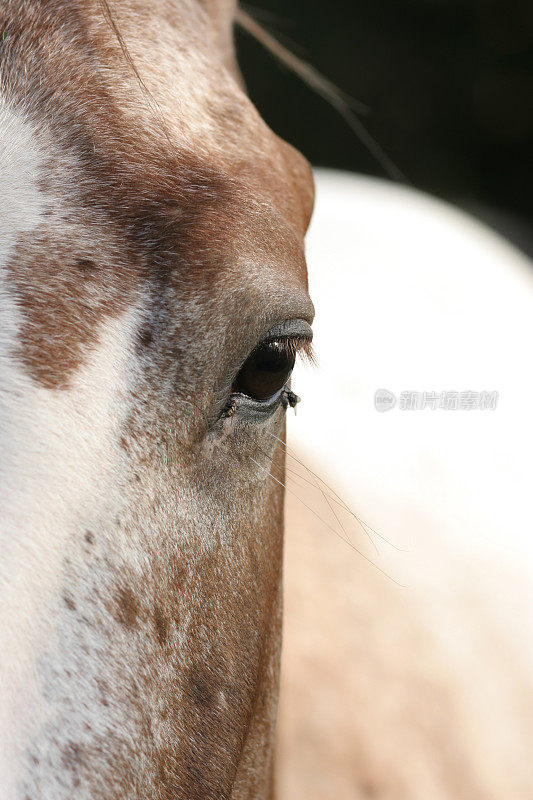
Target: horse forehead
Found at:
200, 215
216, 193
176, 132
117, 228
199, 94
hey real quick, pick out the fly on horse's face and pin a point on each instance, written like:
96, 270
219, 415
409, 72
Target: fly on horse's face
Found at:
153, 295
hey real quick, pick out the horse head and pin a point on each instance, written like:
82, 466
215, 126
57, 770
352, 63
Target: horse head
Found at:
153, 296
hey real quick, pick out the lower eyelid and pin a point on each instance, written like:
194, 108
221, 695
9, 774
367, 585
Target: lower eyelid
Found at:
249, 406
276, 395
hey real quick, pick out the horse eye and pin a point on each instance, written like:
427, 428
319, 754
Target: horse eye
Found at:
267, 370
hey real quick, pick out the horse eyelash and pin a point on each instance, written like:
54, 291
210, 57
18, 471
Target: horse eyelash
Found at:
299, 346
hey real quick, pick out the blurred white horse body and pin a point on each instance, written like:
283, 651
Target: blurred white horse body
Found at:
423, 692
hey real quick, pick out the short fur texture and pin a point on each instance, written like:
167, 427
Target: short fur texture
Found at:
153, 238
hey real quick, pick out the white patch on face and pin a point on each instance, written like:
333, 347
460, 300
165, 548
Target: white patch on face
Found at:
22, 207
20, 166
56, 450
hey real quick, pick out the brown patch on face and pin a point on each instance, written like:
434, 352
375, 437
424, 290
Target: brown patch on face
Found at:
129, 210
64, 298
86, 265
145, 337
65, 295
69, 602
103, 689
161, 624
72, 762
127, 607
72, 756
202, 686
122, 208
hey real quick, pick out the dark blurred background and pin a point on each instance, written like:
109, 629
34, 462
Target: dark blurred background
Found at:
448, 83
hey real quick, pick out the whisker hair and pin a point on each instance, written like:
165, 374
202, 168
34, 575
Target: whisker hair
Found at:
338, 499
330, 527
328, 498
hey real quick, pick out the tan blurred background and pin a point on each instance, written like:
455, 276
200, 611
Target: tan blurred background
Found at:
410, 677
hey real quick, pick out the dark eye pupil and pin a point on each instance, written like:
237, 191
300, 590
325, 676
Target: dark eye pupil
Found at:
266, 371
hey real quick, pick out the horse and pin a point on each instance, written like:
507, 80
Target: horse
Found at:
154, 298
